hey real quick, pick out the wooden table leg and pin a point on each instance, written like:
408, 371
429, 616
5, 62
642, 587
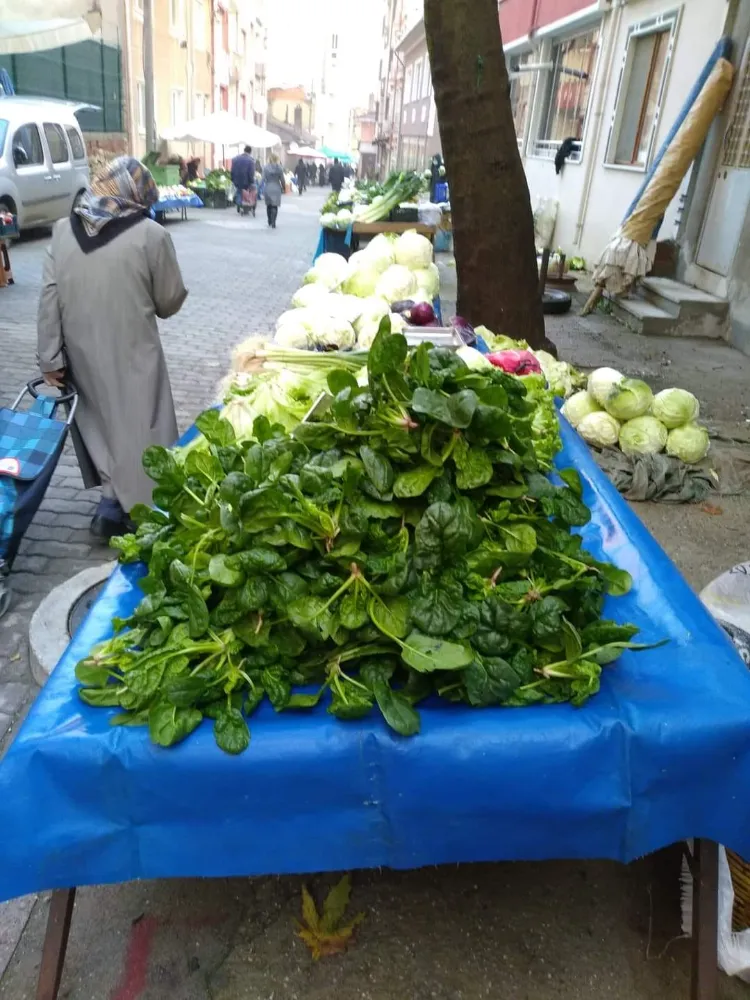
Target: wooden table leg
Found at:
705, 871
55, 943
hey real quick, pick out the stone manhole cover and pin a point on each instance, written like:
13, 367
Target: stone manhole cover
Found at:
82, 606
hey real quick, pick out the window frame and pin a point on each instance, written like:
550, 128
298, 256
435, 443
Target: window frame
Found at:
58, 130
545, 149
33, 163
668, 21
408, 78
199, 18
140, 103
533, 75
75, 136
172, 95
177, 26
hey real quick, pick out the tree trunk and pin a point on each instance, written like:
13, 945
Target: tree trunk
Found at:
493, 227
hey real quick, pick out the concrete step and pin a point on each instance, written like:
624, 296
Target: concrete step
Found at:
682, 301
643, 317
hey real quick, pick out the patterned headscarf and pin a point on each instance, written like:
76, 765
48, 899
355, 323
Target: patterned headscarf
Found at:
123, 188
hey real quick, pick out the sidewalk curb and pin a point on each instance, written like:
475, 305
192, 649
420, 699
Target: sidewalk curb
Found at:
48, 630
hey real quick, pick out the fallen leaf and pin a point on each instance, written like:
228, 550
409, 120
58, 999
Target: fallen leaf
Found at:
325, 935
712, 509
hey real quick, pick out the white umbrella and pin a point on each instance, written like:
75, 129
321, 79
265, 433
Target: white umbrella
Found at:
222, 129
35, 25
308, 151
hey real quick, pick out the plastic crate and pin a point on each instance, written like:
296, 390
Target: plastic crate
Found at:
166, 175
441, 192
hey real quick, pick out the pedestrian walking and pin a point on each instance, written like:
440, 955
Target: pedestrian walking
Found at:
336, 175
109, 272
321, 175
273, 184
243, 177
300, 172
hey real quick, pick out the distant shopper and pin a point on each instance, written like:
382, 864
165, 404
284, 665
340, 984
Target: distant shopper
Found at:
321, 175
243, 174
336, 175
300, 172
273, 186
109, 272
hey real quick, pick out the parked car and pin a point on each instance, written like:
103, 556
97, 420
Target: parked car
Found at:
43, 163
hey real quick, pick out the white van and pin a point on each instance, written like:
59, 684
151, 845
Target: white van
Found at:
43, 162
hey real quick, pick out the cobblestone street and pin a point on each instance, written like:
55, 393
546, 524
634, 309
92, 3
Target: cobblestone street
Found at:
241, 276
575, 930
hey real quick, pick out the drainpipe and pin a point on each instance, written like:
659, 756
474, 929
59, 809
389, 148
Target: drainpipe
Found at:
128, 88
603, 78
148, 73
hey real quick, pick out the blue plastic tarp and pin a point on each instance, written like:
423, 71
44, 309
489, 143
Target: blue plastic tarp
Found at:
661, 754
175, 204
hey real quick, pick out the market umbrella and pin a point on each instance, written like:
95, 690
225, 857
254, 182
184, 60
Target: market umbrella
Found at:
222, 129
630, 253
308, 151
35, 25
333, 154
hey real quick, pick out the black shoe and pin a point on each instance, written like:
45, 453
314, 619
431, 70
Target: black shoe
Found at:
104, 528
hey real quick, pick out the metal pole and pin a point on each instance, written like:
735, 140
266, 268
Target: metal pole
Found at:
148, 73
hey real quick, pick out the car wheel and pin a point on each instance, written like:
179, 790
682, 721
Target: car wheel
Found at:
555, 302
5, 206
78, 197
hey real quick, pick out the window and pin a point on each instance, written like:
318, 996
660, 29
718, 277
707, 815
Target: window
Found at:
407, 83
566, 97
224, 98
243, 106
243, 43
58, 147
225, 30
521, 91
138, 7
640, 90
233, 33
29, 144
423, 114
298, 116
177, 16
413, 115
140, 88
76, 143
178, 113
199, 25
404, 118
416, 83
426, 81
334, 42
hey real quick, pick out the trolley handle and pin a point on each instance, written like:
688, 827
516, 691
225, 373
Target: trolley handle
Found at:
68, 399
69, 392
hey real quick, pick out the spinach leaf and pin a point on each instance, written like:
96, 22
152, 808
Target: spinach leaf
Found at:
231, 732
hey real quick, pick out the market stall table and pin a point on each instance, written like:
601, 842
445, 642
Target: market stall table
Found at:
661, 754
181, 205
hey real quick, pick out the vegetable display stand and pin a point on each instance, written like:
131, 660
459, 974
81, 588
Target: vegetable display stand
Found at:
181, 205
655, 757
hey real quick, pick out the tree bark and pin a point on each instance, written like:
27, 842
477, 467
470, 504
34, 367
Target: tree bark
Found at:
493, 226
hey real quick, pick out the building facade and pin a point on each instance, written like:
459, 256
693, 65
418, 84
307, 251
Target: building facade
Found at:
612, 78
418, 135
294, 106
239, 45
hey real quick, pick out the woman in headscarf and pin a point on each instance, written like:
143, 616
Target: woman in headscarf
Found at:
109, 272
273, 183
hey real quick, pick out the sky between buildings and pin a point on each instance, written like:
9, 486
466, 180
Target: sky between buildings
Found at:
299, 30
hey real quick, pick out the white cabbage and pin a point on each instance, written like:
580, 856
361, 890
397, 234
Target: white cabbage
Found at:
330, 269
580, 405
428, 280
643, 436
362, 276
601, 381
675, 407
381, 249
599, 429
413, 251
689, 443
310, 295
396, 283
473, 358
629, 399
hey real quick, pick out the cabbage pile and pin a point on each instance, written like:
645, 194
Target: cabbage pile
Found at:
341, 303
617, 411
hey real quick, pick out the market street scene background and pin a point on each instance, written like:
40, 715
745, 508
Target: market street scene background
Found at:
354, 83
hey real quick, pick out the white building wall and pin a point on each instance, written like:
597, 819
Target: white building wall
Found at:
614, 187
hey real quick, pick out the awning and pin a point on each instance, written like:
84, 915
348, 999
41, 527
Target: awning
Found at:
222, 129
36, 25
308, 151
334, 154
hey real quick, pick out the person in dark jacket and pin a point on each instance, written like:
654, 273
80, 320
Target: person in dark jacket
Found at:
300, 172
311, 174
321, 175
336, 175
243, 174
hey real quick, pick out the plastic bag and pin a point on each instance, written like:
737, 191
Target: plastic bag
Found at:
545, 217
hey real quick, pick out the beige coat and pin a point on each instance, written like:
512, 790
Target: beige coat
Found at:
97, 319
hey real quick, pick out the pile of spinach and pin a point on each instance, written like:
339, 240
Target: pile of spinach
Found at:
404, 544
